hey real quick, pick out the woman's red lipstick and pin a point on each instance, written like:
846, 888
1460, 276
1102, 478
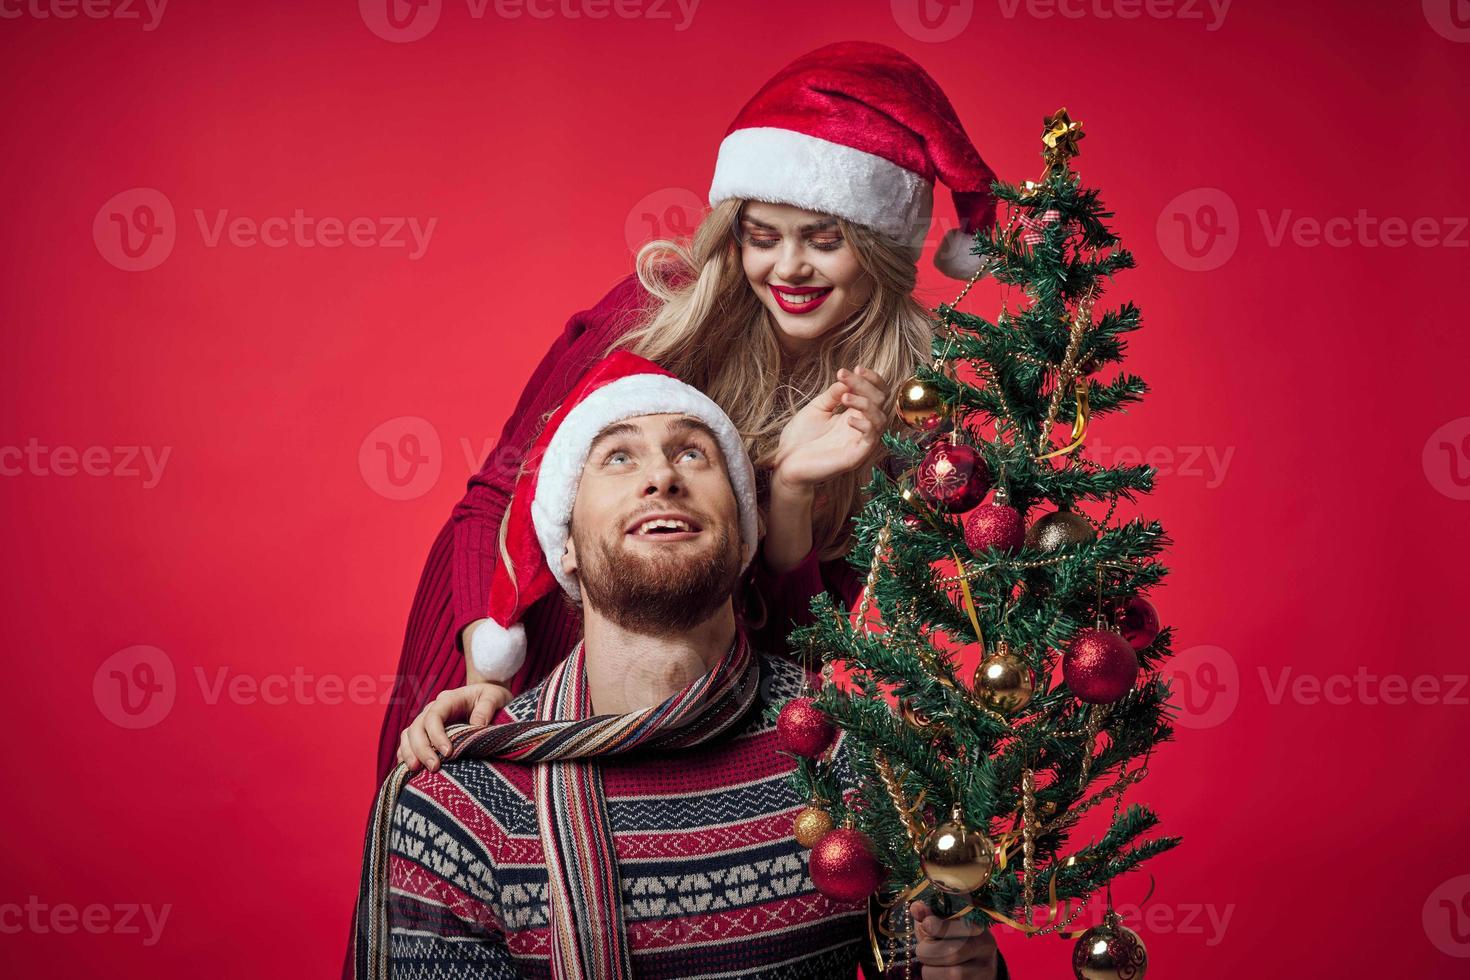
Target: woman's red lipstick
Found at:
819, 294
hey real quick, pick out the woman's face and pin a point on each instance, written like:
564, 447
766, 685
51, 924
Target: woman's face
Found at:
802, 269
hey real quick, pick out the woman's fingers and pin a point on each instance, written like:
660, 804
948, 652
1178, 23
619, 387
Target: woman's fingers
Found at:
831, 398
425, 741
405, 754
418, 743
492, 698
434, 716
866, 382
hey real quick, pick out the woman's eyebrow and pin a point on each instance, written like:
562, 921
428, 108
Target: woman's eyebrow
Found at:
810, 226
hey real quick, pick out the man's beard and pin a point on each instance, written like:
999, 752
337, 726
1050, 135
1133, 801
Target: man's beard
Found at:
656, 595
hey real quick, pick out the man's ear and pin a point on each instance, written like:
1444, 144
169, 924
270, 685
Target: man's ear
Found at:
569, 558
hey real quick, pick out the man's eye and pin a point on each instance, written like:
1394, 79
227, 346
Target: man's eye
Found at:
693, 452
617, 456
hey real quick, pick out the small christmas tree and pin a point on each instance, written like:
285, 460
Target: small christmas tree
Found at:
969, 789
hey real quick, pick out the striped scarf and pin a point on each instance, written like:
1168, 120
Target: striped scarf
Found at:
564, 742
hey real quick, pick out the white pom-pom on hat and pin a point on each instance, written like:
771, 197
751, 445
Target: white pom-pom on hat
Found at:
955, 257
497, 652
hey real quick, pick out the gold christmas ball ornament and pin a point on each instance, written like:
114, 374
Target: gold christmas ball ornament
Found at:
919, 404
1110, 951
917, 720
1059, 529
810, 824
956, 859
1004, 681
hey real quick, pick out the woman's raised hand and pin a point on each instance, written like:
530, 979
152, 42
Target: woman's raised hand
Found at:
476, 703
823, 441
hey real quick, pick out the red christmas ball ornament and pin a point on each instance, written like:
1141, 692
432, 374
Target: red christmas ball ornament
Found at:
1099, 666
953, 477
843, 866
802, 728
997, 526
1139, 622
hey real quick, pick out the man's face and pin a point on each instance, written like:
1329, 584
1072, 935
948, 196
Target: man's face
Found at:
655, 536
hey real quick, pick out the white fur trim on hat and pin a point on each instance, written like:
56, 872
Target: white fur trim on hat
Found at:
498, 652
566, 456
954, 257
783, 166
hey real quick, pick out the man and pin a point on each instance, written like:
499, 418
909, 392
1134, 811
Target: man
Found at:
631, 816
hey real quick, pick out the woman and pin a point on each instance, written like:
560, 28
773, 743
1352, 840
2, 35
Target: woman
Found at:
792, 307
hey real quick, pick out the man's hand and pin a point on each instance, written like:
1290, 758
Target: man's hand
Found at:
475, 702
956, 949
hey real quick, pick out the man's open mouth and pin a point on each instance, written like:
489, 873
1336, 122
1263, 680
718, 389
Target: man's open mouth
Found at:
664, 526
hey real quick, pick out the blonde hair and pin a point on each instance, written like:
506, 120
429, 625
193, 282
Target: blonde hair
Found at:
709, 328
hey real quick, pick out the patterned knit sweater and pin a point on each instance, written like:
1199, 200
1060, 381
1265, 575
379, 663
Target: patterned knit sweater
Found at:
713, 883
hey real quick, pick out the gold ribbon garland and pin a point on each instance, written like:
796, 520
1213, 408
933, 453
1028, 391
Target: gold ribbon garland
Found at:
1079, 425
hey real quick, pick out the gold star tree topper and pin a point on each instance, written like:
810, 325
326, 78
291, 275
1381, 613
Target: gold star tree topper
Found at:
1060, 137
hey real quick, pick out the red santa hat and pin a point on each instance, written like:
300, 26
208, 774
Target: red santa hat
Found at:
539, 515
860, 131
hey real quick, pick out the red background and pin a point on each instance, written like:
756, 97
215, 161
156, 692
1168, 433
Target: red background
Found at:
1330, 833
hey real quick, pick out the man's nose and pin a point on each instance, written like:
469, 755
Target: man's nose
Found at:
662, 480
